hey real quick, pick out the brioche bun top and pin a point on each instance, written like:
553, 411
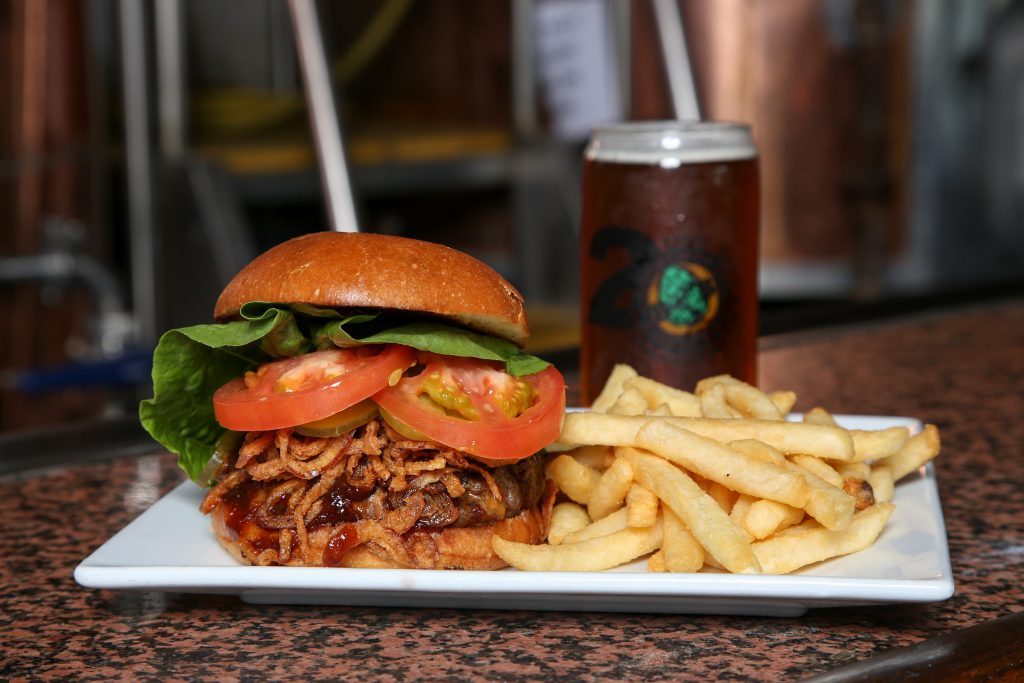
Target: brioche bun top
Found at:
368, 271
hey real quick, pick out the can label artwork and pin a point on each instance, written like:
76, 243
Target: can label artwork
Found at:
687, 295
669, 262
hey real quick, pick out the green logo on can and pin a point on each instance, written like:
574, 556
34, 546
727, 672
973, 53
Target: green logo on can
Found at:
686, 297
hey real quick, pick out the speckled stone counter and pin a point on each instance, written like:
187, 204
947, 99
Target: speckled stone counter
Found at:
963, 371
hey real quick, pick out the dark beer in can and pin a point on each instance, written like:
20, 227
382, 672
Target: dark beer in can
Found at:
669, 241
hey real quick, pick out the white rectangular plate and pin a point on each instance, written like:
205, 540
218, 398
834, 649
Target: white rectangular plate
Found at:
171, 548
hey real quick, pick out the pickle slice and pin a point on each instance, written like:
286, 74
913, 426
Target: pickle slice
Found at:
225, 449
341, 423
402, 428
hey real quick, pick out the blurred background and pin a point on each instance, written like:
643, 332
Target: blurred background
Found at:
150, 148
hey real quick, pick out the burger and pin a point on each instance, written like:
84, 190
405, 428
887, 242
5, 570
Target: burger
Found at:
362, 401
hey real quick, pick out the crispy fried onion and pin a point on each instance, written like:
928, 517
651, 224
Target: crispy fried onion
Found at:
384, 536
269, 455
371, 457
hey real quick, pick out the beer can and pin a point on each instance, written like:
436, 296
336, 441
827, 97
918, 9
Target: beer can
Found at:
669, 252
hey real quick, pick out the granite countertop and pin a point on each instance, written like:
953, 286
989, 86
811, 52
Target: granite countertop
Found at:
962, 370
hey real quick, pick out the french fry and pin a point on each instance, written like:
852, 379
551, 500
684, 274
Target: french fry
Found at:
724, 496
713, 403
739, 510
860, 490
630, 402
717, 462
742, 399
878, 444
680, 403
610, 492
576, 480
783, 400
853, 470
705, 385
767, 517
919, 449
828, 504
867, 444
612, 388
819, 468
855, 483
715, 479
594, 428
808, 543
751, 402
713, 563
598, 457
565, 519
819, 416
789, 437
602, 527
831, 506
881, 483
594, 555
656, 562
680, 550
660, 411
760, 450
641, 507
709, 524
700, 481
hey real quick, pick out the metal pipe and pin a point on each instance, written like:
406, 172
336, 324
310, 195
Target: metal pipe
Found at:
58, 266
341, 208
113, 327
170, 66
622, 22
140, 173
524, 88
677, 60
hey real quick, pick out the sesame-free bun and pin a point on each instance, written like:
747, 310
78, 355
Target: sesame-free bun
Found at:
368, 271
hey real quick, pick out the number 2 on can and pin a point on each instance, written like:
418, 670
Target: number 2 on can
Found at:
618, 300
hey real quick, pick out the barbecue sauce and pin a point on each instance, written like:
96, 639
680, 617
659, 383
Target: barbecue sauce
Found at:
343, 540
241, 503
337, 505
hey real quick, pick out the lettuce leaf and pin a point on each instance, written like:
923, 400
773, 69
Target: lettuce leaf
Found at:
437, 338
191, 363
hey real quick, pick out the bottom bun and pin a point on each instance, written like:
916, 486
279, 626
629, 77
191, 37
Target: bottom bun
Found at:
450, 548
458, 548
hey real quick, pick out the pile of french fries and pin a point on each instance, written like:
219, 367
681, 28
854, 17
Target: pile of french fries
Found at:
715, 479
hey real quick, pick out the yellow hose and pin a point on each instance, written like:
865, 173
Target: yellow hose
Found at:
236, 112
371, 40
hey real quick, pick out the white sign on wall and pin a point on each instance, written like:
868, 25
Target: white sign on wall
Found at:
576, 65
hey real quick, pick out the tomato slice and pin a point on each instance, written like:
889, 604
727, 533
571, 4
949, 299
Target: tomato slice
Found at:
475, 407
306, 388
